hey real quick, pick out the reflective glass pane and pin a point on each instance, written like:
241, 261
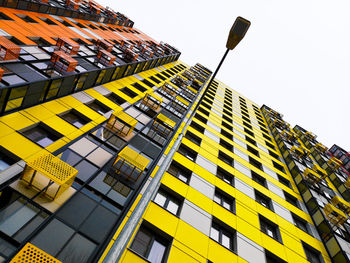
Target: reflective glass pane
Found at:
157, 252
160, 199
214, 234
226, 241
173, 207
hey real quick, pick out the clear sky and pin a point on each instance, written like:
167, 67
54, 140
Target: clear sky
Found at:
295, 57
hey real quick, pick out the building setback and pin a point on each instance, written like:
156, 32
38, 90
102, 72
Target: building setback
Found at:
91, 109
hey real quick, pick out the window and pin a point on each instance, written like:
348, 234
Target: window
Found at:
98, 107
263, 200
271, 258
270, 228
273, 154
225, 158
139, 87
201, 118
300, 223
47, 21
252, 150
26, 18
250, 140
128, 92
226, 134
6, 159
312, 254
198, 127
223, 234
180, 172
4, 17
259, 179
193, 138
291, 199
278, 166
150, 245
41, 134
255, 163
225, 176
270, 145
284, 181
186, 151
224, 200
226, 145
168, 201
116, 99
75, 118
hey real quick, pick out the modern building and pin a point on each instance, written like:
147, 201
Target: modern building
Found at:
92, 111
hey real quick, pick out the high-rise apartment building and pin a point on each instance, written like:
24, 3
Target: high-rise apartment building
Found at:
92, 111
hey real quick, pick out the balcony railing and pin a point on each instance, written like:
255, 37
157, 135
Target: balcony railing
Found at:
33, 254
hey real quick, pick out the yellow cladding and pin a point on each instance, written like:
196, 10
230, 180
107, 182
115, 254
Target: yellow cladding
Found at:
53, 168
134, 158
320, 147
311, 175
218, 253
166, 120
319, 170
152, 100
32, 254
132, 257
183, 100
335, 215
341, 204
334, 163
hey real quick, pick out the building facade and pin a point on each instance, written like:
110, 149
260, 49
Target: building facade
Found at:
92, 109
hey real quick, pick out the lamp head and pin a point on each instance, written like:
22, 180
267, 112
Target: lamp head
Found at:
237, 32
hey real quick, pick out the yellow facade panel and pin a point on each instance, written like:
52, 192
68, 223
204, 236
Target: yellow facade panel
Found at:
177, 255
218, 253
16, 121
131, 257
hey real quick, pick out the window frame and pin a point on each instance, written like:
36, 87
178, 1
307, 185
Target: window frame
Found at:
220, 198
169, 197
223, 229
266, 225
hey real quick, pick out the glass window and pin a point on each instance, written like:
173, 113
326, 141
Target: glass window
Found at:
150, 245
270, 228
223, 235
312, 254
85, 170
225, 176
300, 223
224, 200
41, 134
259, 179
187, 152
168, 201
263, 200
98, 107
291, 199
180, 172
75, 118
5, 161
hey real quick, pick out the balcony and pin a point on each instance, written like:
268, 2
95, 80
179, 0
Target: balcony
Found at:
321, 172
8, 50
341, 204
62, 62
129, 164
180, 81
299, 152
335, 215
74, 4
67, 46
188, 74
334, 163
280, 124
320, 148
311, 176
161, 128
310, 135
130, 55
103, 44
169, 89
49, 174
151, 101
30, 253
105, 58
288, 135
275, 114
121, 123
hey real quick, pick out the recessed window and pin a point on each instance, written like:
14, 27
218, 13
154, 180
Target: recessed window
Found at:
5, 17
225, 176
150, 244
180, 172
225, 158
255, 163
193, 138
198, 127
312, 255
6, 159
291, 199
248, 139
259, 179
128, 92
300, 223
201, 118
186, 151
278, 166
226, 145
224, 200
116, 99
75, 118
168, 201
26, 18
270, 228
226, 134
273, 154
253, 151
41, 134
263, 200
227, 126
98, 107
270, 145
284, 181
271, 258
47, 21
223, 234
139, 87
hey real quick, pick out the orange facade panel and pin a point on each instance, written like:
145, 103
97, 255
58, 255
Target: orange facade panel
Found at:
8, 49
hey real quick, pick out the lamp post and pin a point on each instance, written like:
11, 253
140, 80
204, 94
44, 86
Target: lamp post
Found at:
237, 32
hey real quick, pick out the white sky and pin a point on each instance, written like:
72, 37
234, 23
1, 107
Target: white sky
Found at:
295, 57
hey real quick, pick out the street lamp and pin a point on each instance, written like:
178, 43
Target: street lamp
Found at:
237, 32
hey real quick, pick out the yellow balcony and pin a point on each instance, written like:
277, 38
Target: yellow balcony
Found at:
182, 100
311, 176
321, 172
275, 113
171, 90
298, 152
188, 74
335, 215
280, 124
130, 164
121, 123
151, 101
321, 148
163, 126
334, 163
310, 135
288, 135
32, 254
341, 204
50, 173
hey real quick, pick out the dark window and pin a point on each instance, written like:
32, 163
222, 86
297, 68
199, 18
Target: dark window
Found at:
155, 79
28, 19
223, 234
226, 145
227, 118
226, 134
225, 176
98, 107
168, 201
116, 99
224, 124
291, 199
270, 228
225, 158
252, 150
139, 87
186, 151
41, 134
193, 138
249, 132
300, 223
248, 139
284, 181
259, 179
180, 172
203, 111
6, 159
47, 21
267, 137
255, 163
312, 254
270, 145
263, 200
196, 126
4, 17
224, 200
128, 92
278, 166
148, 83
273, 154
150, 245
75, 118
271, 258
201, 118
263, 129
